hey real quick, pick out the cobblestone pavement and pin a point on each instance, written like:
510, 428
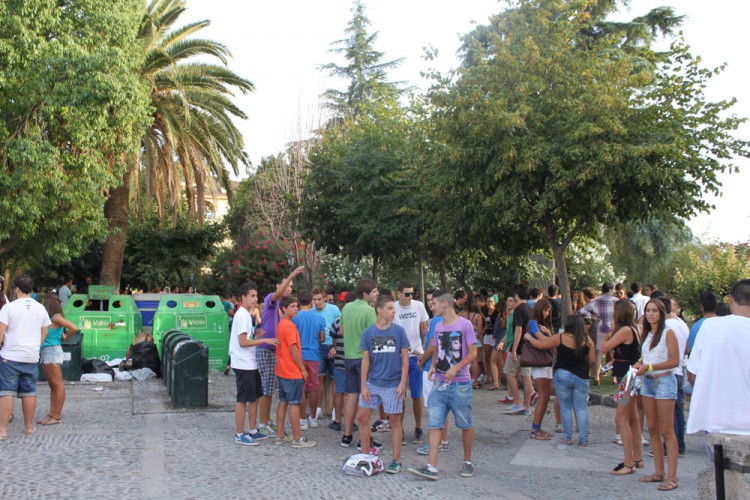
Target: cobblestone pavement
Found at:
122, 439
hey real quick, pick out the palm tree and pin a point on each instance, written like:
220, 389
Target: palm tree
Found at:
192, 138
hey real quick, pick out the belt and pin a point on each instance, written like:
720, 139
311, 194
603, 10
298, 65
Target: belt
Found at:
659, 375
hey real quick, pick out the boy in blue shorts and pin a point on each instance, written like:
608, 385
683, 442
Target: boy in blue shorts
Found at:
385, 369
455, 349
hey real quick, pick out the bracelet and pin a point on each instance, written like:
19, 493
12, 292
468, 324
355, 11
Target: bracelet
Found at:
650, 367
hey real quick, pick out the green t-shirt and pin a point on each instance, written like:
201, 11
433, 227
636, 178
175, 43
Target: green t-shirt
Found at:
355, 317
508, 333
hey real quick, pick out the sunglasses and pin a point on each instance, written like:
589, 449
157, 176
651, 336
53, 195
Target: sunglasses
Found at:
409, 294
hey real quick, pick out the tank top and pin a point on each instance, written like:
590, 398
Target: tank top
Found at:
568, 360
656, 355
54, 336
629, 352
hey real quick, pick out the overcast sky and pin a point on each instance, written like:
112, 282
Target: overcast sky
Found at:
280, 44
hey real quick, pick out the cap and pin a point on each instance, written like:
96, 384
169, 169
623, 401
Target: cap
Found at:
342, 296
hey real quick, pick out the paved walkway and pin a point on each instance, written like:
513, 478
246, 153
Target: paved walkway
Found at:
122, 439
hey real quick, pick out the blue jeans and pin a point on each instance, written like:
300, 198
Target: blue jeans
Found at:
572, 392
679, 414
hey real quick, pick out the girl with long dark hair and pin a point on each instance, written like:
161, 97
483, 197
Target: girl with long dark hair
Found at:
625, 340
575, 354
660, 352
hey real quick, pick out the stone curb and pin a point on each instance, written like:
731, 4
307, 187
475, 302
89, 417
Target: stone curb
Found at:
597, 398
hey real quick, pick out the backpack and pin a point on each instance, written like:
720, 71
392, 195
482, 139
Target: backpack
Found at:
362, 465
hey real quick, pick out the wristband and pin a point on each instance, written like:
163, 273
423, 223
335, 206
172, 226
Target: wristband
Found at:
650, 367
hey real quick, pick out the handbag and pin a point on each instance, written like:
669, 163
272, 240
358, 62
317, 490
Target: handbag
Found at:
628, 387
535, 358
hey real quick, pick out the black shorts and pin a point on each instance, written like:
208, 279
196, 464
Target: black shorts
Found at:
249, 387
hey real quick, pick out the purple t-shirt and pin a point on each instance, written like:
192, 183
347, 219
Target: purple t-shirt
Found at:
269, 320
452, 342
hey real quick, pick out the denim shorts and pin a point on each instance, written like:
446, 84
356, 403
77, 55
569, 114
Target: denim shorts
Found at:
51, 355
353, 371
542, 372
454, 397
660, 388
290, 390
326, 363
388, 396
415, 378
339, 376
18, 379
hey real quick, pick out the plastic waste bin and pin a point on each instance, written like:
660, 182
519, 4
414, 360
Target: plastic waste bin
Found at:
188, 387
71, 367
202, 317
168, 343
110, 322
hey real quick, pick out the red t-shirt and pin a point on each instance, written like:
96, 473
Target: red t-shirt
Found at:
288, 336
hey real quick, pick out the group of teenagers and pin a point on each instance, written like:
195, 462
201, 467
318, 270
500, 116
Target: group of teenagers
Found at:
379, 345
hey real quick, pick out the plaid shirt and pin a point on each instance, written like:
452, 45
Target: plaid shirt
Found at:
604, 307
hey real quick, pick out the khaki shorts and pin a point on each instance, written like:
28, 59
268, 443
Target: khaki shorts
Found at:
512, 367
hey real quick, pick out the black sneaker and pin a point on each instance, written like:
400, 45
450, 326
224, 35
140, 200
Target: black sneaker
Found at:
373, 444
335, 426
418, 437
346, 441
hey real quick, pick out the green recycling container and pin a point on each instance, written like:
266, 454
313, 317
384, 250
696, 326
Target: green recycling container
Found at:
168, 343
188, 387
71, 367
202, 317
110, 321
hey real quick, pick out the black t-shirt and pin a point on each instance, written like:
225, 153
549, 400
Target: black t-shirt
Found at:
521, 317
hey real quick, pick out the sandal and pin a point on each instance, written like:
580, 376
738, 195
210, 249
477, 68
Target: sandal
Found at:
623, 470
539, 435
494, 388
653, 478
669, 485
477, 386
49, 420
639, 463
545, 433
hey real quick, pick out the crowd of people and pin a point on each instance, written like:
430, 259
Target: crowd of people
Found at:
373, 348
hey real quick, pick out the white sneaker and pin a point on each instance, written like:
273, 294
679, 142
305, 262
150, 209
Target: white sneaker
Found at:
313, 423
303, 425
644, 442
617, 439
318, 413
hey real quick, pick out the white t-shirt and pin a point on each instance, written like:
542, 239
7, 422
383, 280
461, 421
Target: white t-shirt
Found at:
409, 318
25, 319
682, 332
243, 358
64, 293
640, 302
720, 360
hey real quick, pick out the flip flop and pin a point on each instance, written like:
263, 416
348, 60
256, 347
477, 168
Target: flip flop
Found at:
668, 485
33, 430
49, 420
494, 388
653, 478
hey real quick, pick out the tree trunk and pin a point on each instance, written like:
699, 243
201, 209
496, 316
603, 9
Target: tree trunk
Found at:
375, 262
116, 210
558, 251
443, 275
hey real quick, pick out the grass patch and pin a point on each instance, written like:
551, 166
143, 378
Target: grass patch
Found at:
607, 386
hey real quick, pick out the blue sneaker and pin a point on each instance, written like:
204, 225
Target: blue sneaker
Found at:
258, 435
245, 439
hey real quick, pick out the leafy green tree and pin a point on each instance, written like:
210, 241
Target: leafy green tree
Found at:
191, 138
365, 71
72, 112
697, 268
578, 130
359, 195
643, 250
158, 256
